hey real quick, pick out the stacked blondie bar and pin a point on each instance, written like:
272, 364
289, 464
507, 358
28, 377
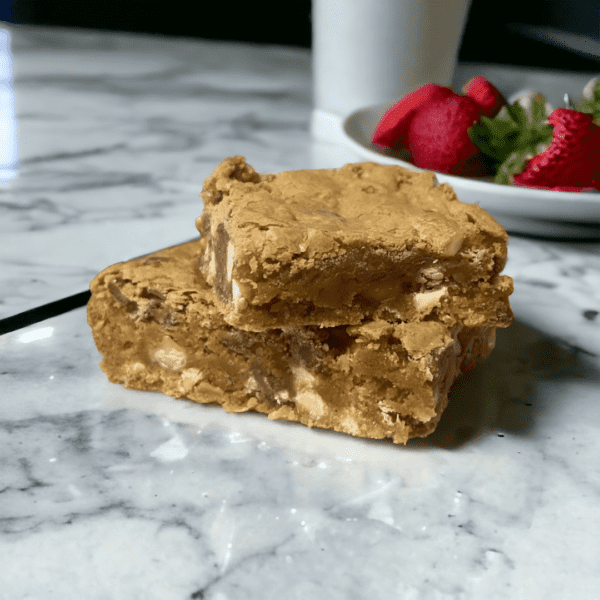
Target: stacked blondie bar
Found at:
347, 299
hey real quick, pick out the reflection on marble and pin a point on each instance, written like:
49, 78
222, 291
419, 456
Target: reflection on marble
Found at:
557, 289
113, 493
8, 125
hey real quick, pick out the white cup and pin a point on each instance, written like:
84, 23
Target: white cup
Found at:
373, 52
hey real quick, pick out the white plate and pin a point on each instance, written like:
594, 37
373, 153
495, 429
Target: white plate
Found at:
519, 210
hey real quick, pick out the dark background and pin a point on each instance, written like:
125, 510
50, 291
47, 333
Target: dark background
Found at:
486, 38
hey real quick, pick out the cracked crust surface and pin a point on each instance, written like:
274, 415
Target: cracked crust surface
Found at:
335, 246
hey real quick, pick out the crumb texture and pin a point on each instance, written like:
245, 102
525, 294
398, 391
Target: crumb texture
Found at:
335, 246
158, 326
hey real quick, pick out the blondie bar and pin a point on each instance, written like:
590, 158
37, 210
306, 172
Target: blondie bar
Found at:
158, 326
333, 247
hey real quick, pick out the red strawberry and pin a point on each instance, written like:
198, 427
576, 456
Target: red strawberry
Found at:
489, 99
572, 161
393, 127
438, 137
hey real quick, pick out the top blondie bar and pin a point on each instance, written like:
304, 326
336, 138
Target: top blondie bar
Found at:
337, 246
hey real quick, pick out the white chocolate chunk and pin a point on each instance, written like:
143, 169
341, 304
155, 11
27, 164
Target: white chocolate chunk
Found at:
302, 377
282, 396
312, 402
235, 293
454, 246
212, 265
305, 395
189, 378
170, 357
251, 384
428, 300
350, 426
230, 260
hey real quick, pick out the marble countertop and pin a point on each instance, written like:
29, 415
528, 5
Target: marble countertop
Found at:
108, 493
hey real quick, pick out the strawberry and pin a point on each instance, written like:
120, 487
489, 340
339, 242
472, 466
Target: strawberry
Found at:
572, 161
487, 97
393, 127
559, 152
438, 137
432, 123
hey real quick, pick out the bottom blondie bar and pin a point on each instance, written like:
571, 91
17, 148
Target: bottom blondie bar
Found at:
155, 321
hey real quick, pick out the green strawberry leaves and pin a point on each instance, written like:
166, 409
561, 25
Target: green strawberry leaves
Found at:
590, 106
513, 136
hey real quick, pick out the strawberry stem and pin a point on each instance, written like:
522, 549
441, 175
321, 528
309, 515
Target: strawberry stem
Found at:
513, 136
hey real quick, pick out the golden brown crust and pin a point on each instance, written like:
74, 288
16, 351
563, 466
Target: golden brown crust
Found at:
334, 246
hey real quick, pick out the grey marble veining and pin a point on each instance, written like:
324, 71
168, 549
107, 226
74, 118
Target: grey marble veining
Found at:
114, 493
557, 289
116, 136
108, 493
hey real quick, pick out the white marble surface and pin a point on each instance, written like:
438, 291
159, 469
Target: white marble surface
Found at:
108, 493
